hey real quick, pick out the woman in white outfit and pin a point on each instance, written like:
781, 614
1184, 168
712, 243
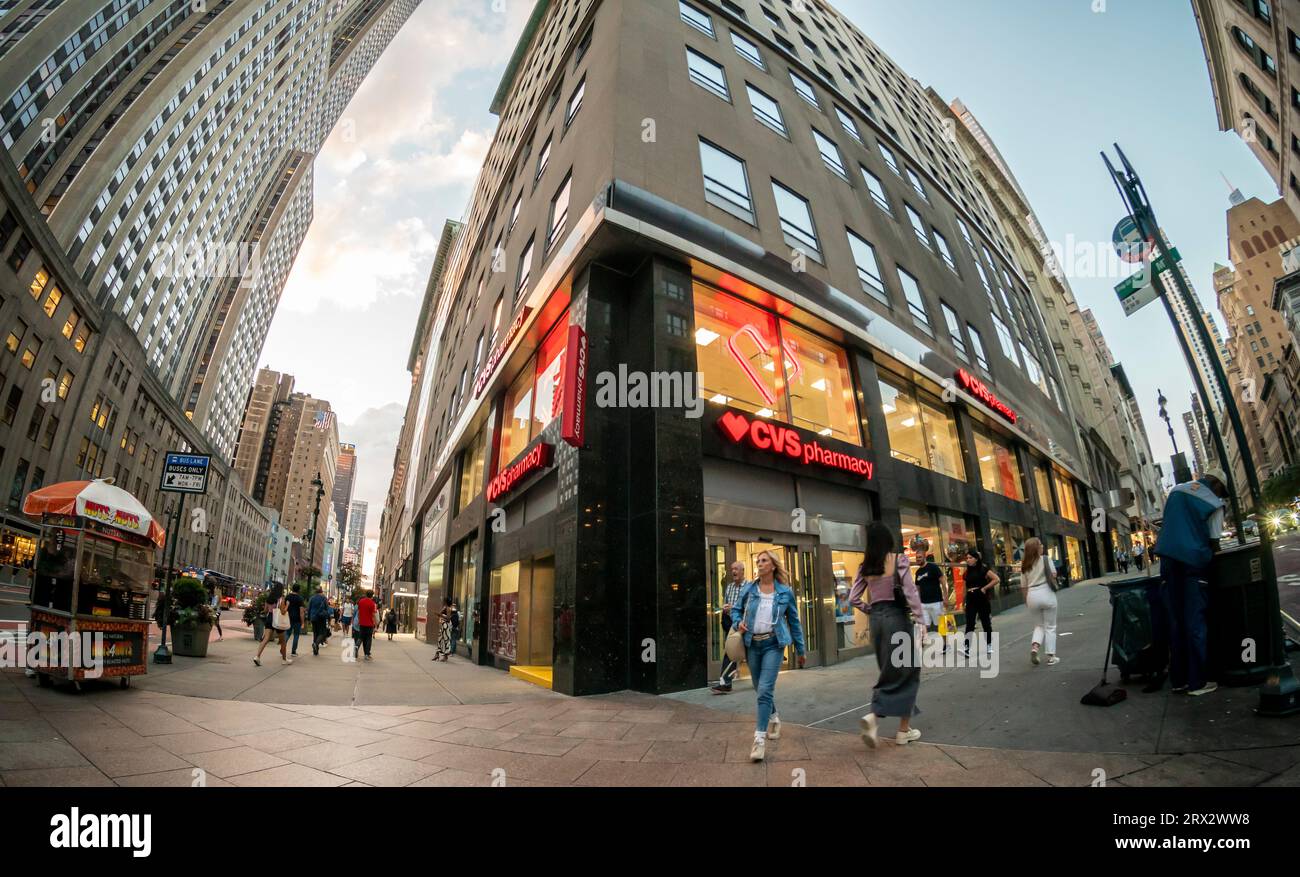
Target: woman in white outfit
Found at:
1038, 582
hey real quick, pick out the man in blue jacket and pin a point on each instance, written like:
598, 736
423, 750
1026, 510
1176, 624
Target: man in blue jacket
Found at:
1189, 537
318, 612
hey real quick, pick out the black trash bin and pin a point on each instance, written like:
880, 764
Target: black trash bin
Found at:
1139, 629
1237, 617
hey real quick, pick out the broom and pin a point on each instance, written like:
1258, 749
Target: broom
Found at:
1103, 693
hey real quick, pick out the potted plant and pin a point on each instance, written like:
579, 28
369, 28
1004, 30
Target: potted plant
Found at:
255, 617
191, 618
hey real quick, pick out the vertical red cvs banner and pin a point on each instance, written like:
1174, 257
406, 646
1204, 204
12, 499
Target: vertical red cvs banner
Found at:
573, 428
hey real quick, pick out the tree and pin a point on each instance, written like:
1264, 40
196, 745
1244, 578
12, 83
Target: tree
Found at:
349, 577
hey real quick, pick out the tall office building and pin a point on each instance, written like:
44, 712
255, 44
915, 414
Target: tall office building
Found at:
1198, 446
169, 145
344, 479
1115, 448
1251, 49
266, 402
759, 195
356, 532
307, 446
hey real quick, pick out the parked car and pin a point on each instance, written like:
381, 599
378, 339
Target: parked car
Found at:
243, 604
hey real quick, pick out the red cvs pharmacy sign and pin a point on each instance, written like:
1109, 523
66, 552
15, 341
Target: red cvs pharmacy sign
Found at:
573, 427
785, 441
510, 477
980, 390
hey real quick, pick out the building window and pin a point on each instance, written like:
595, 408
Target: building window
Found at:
1043, 486
864, 256
525, 268
915, 180
954, 331
535, 398
850, 126
830, 153
583, 45
726, 184
918, 226
999, 467
877, 190
707, 74
560, 210
921, 430
766, 110
575, 102
796, 221
1069, 506
514, 212
697, 19
543, 158
915, 301
888, 155
944, 252
736, 348
805, 89
1004, 338
977, 343
748, 50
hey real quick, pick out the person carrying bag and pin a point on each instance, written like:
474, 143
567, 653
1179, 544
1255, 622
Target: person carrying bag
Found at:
277, 622
1038, 583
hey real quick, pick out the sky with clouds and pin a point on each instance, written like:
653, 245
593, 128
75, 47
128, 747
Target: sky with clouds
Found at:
1053, 81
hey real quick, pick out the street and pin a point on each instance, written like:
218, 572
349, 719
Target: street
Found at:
1286, 555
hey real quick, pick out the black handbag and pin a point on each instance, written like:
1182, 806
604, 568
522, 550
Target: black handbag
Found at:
900, 598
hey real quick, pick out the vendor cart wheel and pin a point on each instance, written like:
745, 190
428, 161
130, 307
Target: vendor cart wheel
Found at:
125, 682
44, 680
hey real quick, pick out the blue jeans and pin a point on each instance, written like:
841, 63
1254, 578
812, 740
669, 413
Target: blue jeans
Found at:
1184, 592
292, 634
764, 658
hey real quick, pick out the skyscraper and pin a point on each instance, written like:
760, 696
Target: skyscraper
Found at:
344, 479
170, 145
757, 194
356, 533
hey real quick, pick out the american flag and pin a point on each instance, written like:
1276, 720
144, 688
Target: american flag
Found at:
324, 419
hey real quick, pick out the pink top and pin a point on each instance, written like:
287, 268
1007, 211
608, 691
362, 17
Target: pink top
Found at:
880, 589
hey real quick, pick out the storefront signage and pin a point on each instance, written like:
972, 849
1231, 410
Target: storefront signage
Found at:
574, 425
508, 478
980, 391
494, 358
785, 441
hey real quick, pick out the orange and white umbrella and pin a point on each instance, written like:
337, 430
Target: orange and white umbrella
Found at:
98, 501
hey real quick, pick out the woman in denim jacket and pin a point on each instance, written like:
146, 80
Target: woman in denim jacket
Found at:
768, 617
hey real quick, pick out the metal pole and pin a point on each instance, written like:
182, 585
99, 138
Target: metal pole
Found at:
163, 655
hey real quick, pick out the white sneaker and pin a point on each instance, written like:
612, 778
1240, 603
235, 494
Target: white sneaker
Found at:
1052, 659
756, 754
774, 727
286, 661
905, 737
1033, 656
870, 732
1205, 689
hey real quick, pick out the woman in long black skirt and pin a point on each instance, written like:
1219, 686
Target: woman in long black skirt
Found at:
885, 590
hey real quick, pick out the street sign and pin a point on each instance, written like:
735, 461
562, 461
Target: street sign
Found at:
1129, 243
185, 473
1138, 291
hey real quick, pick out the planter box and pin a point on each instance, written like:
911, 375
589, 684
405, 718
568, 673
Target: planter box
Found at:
191, 642
259, 630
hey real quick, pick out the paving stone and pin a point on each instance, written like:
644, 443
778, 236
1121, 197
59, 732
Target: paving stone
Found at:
485, 722
815, 774
172, 779
478, 737
1289, 777
386, 770
450, 777
372, 721
288, 776
325, 755
192, 741
276, 741
691, 752
630, 773
1274, 759
680, 731
334, 731
27, 730
424, 730
468, 758
1196, 770
232, 762
612, 750
653, 715
721, 775
564, 770
538, 745
128, 762
29, 755
608, 730
413, 748
55, 777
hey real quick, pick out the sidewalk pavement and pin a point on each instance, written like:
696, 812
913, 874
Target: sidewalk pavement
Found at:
323, 722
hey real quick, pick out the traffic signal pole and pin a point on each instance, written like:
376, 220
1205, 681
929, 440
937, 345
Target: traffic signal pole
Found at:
1280, 694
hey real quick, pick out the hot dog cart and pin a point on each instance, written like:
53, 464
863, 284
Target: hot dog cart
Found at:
92, 585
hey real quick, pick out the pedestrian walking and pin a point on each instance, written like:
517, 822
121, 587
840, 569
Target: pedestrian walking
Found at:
1138, 552
390, 623
885, 590
216, 614
980, 582
933, 592
444, 631
318, 614
349, 610
365, 621
277, 622
767, 614
297, 617
1038, 584
729, 667
1189, 537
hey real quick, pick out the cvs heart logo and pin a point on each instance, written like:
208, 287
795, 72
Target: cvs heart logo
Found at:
733, 425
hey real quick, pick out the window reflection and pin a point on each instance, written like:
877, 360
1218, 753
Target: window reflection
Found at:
999, 467
921, 431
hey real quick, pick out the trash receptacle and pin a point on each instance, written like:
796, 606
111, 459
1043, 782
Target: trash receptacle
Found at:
1237, 617
1139, 643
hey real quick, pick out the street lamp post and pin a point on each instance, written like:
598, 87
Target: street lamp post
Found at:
1164, 415
1280, 694
315, 524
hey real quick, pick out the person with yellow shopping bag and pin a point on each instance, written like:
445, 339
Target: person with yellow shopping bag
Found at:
930, 585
